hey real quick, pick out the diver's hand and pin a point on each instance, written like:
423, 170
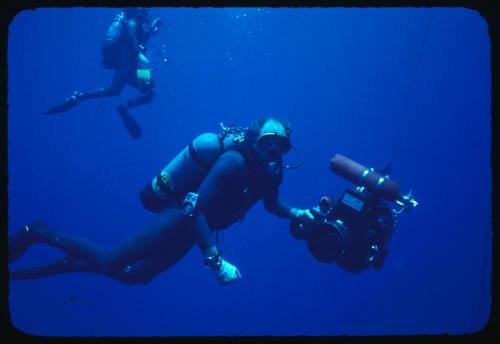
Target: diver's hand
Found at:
301, 214
225, 272
143, 60
155, 26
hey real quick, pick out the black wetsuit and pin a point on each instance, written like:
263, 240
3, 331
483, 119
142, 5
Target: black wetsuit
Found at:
120, 52
231, 187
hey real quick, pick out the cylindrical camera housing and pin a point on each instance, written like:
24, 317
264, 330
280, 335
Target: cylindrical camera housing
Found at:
362, 176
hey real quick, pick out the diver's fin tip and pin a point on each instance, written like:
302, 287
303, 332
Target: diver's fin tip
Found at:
133, 128
68, 104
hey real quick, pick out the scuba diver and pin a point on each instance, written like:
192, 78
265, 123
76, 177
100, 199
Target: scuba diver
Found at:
123, 51
207, 187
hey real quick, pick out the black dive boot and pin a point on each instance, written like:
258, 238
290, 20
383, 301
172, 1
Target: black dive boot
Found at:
133, 128
69, 103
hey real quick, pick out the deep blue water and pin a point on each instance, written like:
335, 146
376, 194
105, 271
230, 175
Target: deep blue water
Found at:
409, 85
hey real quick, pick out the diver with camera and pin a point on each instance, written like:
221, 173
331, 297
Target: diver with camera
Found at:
211, 184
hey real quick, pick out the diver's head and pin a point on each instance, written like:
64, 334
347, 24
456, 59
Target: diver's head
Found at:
138, 13
270, 138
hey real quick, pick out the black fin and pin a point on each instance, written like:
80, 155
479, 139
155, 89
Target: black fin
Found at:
68, 104
130, 123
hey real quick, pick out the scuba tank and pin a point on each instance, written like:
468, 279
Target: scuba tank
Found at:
186, 171
109, 47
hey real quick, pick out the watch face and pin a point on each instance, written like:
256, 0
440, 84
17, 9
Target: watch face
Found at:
213, 262
210, 261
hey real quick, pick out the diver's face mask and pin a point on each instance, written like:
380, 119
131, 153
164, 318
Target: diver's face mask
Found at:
271, 146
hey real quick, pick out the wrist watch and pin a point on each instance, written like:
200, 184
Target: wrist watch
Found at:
214, 262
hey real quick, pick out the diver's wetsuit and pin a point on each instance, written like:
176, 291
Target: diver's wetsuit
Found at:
120, 50
231, 187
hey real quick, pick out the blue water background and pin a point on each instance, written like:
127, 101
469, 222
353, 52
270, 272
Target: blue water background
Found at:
411, 85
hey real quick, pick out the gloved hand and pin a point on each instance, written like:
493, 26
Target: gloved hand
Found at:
155, 26
302, 214
143, 60
224, 271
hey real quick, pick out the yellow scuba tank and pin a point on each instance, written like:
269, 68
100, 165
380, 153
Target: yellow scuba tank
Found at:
186, 171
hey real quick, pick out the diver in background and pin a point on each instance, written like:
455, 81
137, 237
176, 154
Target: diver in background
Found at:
229, 172
123, 51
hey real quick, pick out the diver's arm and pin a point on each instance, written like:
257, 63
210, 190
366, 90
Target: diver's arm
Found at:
135, 45
279, 208
153, 29
276, 207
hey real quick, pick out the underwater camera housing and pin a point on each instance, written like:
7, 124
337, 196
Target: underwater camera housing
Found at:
354, 232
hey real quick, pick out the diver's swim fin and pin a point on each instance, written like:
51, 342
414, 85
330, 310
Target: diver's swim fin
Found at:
69, 103
130, 123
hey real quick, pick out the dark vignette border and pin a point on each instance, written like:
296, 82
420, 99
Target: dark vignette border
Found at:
490, 11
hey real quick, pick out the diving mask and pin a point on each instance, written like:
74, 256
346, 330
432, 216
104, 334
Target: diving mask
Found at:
273, 144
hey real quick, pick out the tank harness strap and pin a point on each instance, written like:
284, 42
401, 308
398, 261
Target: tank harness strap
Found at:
196, 158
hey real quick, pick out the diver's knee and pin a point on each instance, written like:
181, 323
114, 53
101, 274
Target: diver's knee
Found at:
113, 91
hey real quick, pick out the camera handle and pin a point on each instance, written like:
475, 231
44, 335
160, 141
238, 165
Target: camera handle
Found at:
405, 203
